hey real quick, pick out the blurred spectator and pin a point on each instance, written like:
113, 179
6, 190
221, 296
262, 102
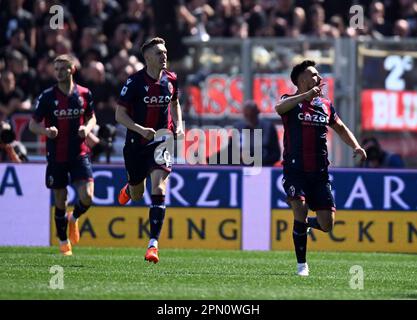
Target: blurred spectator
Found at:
94, 16
379, 26
287, 19
121, 40
11, 150
63, 45
227, 14
401, 28
379, 158
45, 72
18, 42
92, 45
255, 18
138, 21
202, 12
25, 76
408, 12
11, 97
49, 40
94, 77
15, 17
40, 14
316, 25
171, 21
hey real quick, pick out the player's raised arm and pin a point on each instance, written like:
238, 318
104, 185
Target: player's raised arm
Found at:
347, 137
288, 103
123, 118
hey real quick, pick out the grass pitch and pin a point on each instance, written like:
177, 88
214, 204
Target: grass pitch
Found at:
122, 273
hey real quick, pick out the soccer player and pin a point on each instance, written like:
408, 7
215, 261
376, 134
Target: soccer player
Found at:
68, 115
149, 102
306, 116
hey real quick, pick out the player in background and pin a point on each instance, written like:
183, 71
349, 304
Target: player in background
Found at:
149, 102
68, 115
306, 116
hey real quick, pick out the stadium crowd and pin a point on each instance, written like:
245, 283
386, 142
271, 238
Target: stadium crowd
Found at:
106, 35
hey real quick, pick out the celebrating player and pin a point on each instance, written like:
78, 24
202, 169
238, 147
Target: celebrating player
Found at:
68, 113
306, 115
143, 107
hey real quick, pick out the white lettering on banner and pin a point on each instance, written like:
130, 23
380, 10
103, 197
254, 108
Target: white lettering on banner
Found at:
395, 120
109, 199
391, 190
233, 190
175, 191
10, 180
380, 109
24, 205
211, 180
397, 65
394, 110
394, 195
410, 109
359, 192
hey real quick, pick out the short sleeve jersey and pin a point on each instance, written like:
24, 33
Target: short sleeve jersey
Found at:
147, 101
305, 134
67, 114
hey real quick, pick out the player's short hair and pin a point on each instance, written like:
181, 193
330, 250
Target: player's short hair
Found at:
299, 69
66, 58
150, 43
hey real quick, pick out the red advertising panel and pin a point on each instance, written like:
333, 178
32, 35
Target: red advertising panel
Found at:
222, 95
389, 110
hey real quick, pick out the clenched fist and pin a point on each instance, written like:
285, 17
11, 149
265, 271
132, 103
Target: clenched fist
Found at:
51, 132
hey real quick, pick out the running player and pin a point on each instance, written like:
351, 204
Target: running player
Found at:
306, 116
68, 115
146, 104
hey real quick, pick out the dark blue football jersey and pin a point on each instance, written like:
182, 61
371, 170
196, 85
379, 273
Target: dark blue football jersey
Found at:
67, 114
147, 101
305, 134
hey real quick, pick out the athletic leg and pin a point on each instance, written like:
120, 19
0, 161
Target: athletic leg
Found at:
159, 179
300, 210
82, 176
293, 185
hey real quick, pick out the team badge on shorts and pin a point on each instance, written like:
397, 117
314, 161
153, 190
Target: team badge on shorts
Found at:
50, 181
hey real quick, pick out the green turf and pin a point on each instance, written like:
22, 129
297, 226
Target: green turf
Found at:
121, 273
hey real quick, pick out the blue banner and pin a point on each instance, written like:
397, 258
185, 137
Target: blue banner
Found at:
362, 189
210, 187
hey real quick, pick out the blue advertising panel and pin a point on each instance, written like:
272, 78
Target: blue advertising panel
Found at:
362, 189
189, 186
